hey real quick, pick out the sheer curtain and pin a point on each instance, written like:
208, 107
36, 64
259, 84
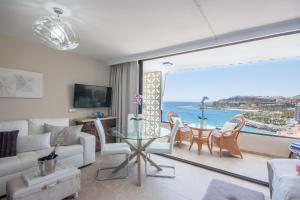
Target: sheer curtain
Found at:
124, 80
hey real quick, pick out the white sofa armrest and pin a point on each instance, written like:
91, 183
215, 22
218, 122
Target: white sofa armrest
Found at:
88, 142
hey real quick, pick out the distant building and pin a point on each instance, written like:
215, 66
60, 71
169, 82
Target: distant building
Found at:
297, 112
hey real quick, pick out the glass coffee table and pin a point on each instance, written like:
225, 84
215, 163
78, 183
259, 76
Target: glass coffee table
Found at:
138, 139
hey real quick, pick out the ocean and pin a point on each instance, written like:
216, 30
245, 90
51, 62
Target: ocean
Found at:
214, 117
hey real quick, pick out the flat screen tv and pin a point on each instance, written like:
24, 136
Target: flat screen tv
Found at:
91, 96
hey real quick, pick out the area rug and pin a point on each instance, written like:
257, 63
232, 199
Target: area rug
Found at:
221, 190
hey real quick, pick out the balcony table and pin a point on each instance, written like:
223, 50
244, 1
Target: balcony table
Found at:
201, 138
143, 139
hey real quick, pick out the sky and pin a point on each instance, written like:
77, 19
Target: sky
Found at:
264, 78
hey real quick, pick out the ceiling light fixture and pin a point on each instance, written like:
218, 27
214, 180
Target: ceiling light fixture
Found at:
55, 32
167, 64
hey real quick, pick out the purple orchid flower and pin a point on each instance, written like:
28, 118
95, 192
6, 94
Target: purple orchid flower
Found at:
138, 99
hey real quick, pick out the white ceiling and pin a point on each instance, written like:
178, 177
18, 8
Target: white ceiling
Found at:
268, 49
111, 29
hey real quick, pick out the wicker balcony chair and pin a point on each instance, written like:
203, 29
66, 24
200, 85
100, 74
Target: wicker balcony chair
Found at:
183, 133
227, 138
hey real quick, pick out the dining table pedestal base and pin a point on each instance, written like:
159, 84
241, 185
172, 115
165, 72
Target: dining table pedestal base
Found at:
138, 153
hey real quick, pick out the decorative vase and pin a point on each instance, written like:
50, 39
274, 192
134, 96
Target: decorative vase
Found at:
203, 123
138, 127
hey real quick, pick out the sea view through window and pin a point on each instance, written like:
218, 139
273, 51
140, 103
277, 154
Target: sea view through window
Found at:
267, 93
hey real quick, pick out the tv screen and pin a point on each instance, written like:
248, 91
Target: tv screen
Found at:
91, 96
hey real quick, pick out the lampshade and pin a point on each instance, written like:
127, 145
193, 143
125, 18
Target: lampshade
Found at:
55, 32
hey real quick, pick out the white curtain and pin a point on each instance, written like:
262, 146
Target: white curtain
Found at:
124, 80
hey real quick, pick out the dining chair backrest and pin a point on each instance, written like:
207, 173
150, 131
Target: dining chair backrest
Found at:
173, 135
101, 132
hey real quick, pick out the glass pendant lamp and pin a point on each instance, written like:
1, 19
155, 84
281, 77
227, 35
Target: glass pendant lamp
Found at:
55, 32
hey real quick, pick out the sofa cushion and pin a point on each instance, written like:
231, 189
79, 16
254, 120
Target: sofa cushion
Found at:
14, 164
64, 135
70, 135
8, 143
33, 142
55, 132
36, 126
62, 151
20, 125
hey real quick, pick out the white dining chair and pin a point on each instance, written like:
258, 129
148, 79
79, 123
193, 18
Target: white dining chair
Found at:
162, 148
110, 149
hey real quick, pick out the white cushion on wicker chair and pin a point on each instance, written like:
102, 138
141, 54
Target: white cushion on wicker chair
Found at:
217, 133
228, 126
226, 129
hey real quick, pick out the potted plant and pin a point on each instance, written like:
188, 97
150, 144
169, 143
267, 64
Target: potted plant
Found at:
202, 117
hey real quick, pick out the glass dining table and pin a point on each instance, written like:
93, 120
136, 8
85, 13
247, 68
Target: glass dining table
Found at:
138, 138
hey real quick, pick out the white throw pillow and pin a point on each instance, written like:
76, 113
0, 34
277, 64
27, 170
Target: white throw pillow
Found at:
63, 135
228, 126
33, 142
174, 119
55, 132
70, 135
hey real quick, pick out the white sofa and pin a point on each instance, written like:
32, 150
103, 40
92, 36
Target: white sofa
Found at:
77, 155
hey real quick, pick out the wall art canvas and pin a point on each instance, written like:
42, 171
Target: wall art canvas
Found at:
20, 83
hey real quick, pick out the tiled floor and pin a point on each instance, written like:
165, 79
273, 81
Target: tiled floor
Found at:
254, 166
190, 183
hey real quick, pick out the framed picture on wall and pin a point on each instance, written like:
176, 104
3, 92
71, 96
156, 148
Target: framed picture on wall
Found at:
20, 83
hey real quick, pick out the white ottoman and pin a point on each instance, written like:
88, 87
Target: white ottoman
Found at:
53, 188
284, 181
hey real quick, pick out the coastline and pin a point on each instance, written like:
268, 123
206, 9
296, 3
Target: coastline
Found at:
211, 108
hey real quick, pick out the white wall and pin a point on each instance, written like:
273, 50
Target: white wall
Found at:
60, 69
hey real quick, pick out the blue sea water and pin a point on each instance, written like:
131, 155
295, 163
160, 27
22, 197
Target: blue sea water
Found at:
214, 117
